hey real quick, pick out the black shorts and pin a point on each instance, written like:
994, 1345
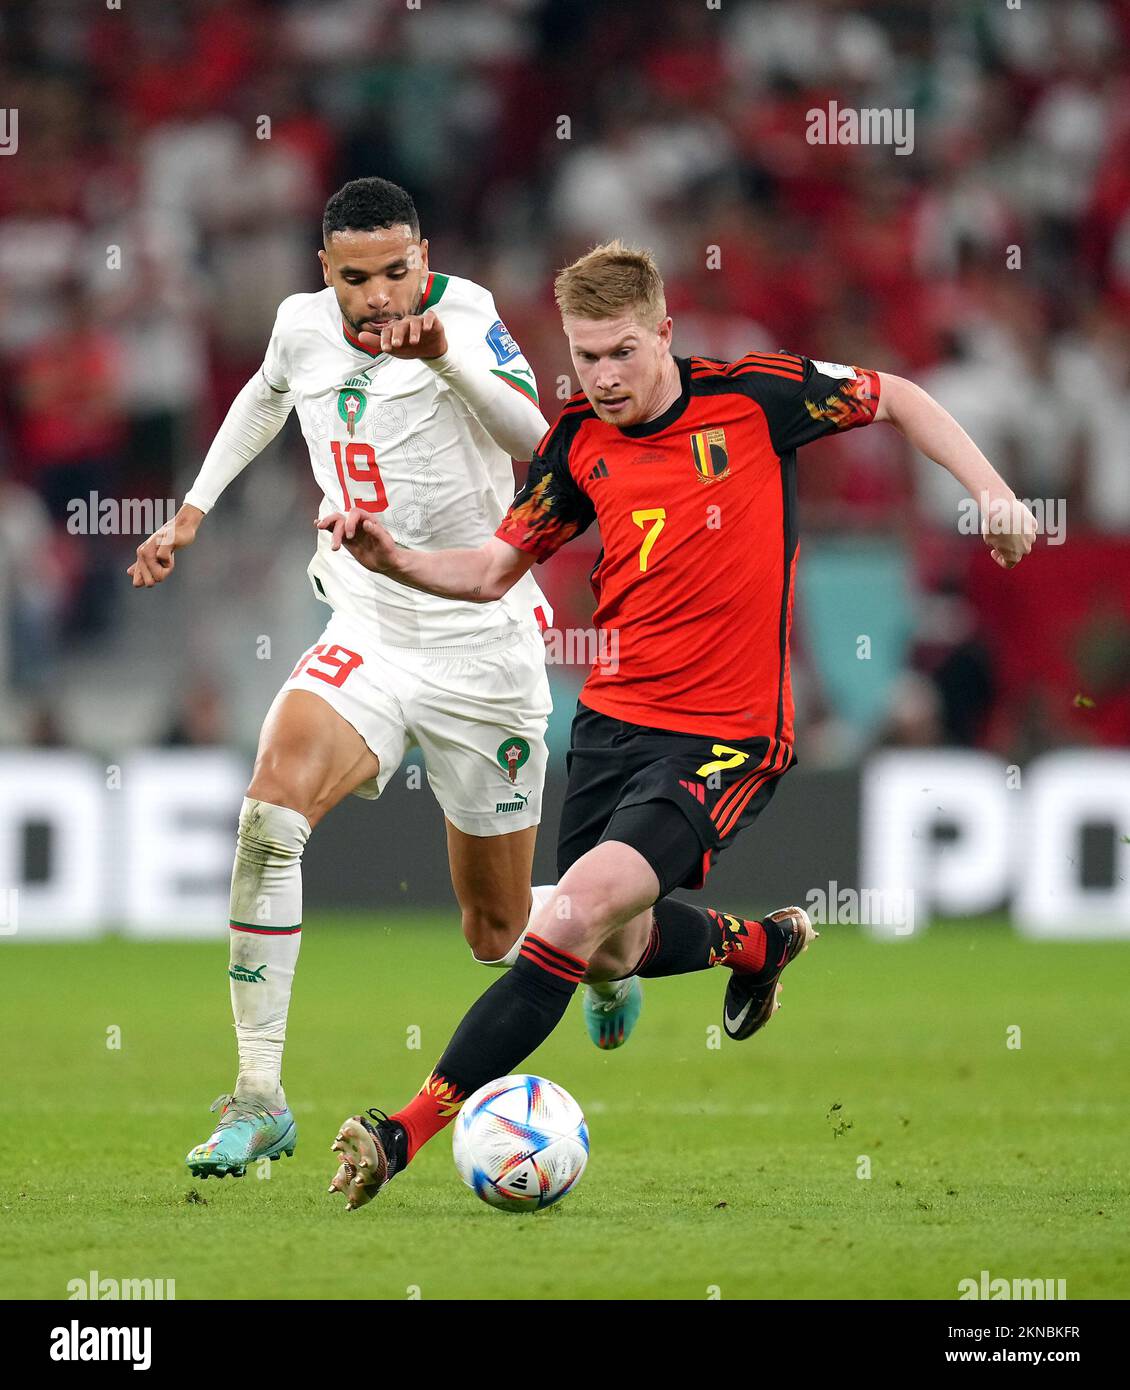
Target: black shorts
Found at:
678, 799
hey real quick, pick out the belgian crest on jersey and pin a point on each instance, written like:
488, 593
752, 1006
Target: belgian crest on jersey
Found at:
711, 458
512, 753
351, 403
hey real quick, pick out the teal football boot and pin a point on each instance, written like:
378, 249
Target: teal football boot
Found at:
611, 1017
247, 1131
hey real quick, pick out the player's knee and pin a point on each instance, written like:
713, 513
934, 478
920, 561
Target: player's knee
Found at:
271, 834
618, 955
582, 902
284, 777
489, 934
273, 784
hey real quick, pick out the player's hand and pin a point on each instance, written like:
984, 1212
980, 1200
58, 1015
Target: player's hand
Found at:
155, 556
365, 539
1010, 532
417, 335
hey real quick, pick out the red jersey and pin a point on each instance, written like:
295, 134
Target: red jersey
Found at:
697, 514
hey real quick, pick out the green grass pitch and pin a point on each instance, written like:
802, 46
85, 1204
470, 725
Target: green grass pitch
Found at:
717, 1171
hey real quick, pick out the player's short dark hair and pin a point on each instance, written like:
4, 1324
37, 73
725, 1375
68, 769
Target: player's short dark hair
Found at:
362, 205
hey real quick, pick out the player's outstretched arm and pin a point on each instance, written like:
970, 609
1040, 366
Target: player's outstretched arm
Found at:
256, 415
477, 576
1008, 527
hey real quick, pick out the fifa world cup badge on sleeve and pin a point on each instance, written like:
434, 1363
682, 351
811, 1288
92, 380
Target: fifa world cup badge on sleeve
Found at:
501, 343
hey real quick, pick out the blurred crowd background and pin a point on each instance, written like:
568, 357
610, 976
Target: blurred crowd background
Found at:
147, 234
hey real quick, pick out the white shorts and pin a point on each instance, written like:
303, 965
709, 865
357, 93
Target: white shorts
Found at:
478, 713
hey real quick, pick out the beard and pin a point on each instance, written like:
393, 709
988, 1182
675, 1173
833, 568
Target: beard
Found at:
358, 325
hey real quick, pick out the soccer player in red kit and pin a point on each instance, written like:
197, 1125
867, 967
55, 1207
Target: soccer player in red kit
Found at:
688, 465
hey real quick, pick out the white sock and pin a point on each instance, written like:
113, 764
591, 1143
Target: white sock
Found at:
540, 895
265, 934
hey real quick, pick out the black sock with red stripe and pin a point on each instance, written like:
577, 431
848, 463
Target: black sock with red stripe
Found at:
500, 1030
685, 939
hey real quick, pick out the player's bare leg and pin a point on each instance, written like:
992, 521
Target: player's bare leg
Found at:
309, 759
489, 874
491, 878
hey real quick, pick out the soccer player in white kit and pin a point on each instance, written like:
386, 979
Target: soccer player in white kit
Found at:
413, 399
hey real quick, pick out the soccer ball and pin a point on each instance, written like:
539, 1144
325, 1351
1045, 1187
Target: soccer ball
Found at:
520, 1143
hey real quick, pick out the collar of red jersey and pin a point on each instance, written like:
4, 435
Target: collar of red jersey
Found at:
673, 411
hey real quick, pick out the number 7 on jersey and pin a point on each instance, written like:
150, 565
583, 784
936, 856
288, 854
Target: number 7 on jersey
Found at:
657, 516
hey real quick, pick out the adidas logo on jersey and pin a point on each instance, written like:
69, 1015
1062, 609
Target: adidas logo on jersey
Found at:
696, 789
600, 471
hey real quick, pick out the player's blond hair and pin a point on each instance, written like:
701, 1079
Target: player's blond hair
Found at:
609, 280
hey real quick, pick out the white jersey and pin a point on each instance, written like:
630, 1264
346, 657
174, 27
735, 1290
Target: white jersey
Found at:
396, 439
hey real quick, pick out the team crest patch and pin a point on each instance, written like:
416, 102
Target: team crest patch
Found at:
501, 343
512, 753
711, 459
351, 405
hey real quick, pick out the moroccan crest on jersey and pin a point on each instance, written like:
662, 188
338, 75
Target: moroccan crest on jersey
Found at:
711, 459
512, 753
351, 405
